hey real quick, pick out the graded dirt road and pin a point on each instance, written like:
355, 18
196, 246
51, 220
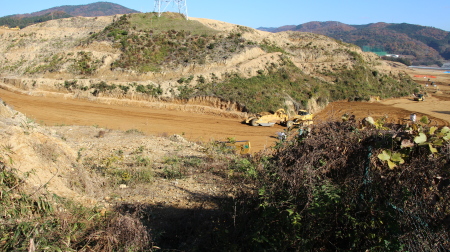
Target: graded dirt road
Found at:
194, 127
436, 105
201, 127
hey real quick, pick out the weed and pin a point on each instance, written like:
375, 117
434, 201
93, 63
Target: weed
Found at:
28, 124
174, 168
79, 154
173, 173
134, 131
346, 186
54, 223
47, 151
85, 64
193, 162
139, 150
150, 89
244, 166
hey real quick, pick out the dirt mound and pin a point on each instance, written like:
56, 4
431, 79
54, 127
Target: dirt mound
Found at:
37, 153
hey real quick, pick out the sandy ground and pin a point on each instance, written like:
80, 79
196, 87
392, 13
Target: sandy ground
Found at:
436, 105
203, 128
194, 127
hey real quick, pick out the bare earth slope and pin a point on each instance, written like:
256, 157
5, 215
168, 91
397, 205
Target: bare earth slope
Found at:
67, 161
53, 162
203, 127
52, 152
28, 56
436, 105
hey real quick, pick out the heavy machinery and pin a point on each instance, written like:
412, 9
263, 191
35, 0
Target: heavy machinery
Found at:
267, 119
241, 147
303, 117
419, 97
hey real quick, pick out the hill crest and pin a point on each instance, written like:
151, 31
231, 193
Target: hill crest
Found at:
86, 10
424, 45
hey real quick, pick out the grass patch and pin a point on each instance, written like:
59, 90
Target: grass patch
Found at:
135, 131
168, 21
134, 170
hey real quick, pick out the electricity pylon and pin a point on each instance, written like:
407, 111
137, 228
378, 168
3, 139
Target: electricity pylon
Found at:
180, 4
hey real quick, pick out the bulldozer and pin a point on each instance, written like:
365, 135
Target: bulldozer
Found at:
303, 117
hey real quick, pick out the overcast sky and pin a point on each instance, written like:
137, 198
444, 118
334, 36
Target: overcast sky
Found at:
265, 13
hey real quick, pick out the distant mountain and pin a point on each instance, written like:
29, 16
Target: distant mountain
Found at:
87, 10
421, 44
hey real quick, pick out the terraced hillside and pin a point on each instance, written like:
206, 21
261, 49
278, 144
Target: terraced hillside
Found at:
143, 57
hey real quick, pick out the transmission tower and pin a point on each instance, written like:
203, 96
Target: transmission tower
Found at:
179, 4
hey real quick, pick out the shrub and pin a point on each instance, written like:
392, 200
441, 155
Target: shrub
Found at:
150, 89
330, 189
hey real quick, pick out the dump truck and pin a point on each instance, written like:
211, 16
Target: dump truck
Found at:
303, 117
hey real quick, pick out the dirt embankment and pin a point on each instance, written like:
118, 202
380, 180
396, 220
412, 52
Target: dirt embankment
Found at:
55, 45
206, 127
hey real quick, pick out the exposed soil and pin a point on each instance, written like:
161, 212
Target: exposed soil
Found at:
204, 128
194, 127
202, 187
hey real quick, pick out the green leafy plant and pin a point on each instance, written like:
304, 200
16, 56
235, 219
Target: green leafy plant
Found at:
392, 158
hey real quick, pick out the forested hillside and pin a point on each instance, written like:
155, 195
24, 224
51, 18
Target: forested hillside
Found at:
14, 21
423, 45
87, 10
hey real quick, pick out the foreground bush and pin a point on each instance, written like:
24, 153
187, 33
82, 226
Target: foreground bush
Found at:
336, 187
340, 188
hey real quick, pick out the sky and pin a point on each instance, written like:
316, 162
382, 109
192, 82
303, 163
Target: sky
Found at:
265, 13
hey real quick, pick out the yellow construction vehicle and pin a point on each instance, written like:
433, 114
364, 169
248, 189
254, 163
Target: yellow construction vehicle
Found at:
419, 97
241, 147
303, 118
268, 119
